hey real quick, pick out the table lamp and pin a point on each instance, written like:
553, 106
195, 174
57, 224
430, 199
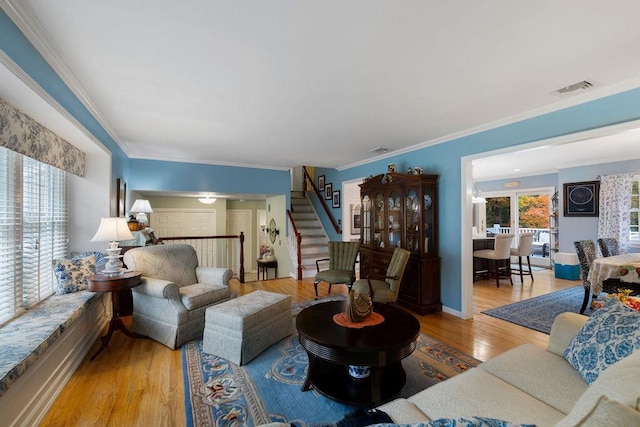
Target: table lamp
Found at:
112, 230
143, 207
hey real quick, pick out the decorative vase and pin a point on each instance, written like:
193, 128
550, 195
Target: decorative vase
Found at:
359, 372
359, 307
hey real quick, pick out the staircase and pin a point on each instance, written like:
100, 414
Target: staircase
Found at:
314, 240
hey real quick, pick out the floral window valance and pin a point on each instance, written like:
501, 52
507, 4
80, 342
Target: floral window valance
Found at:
20, 133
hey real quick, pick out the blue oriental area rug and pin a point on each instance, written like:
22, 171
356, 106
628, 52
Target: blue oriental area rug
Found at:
538, 313
268, 389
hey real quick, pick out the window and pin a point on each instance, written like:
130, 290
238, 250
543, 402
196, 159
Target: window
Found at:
634, 229
33, 230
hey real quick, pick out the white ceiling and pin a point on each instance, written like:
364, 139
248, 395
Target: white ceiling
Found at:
283, 83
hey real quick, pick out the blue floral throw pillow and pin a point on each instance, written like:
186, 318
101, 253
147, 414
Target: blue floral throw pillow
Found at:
72, 274
611, 334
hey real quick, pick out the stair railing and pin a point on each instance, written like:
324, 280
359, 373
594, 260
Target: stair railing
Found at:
216, 251
295, 244
322, 201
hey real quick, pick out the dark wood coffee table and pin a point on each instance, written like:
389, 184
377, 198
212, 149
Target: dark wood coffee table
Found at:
332, 348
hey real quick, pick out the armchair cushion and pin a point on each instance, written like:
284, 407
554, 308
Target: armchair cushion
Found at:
209, 275
200, 295
335, 276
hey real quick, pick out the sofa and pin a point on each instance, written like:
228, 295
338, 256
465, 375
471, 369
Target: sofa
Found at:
169, 306
528, 385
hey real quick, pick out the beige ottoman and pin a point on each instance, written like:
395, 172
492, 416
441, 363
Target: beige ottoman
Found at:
242, 328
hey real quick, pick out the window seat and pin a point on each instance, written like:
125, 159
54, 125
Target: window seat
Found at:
25, 339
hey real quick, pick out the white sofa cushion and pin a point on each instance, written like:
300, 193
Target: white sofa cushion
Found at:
608, 412
619, 382
478, 393
403, 412
528, 368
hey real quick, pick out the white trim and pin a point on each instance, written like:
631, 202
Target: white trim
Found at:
566, 103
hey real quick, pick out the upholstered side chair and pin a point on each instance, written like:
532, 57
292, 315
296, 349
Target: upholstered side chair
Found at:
501, 252
342, 264
609, 246
586, 251
386, 289
170, 304
524, 249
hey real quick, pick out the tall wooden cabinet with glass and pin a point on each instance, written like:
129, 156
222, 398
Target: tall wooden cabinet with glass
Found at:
400, 211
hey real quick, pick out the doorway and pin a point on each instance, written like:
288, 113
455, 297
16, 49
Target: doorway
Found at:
522, 211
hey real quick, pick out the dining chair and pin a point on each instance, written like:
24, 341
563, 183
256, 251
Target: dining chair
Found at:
342, 262
524, 249
586, 251
501, 252
609, 246
385, 289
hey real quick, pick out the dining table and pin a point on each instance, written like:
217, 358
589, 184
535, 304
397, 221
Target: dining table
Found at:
625, 267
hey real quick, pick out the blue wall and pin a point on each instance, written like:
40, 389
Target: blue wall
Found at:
174, 176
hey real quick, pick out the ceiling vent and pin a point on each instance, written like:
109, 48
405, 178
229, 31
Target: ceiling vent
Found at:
576, 87
379, 150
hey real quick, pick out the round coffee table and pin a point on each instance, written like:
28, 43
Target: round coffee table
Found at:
333, 348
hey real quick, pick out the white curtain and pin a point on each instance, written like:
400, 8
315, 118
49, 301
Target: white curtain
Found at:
615, 208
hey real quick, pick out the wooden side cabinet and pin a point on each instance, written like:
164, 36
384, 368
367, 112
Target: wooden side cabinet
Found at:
400, 210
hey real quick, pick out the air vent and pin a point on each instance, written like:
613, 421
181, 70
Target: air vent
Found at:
379, 150
583, 85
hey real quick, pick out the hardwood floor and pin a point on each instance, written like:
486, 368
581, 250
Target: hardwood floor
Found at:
139, 382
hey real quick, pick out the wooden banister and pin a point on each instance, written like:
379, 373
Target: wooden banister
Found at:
298, 245
322, 201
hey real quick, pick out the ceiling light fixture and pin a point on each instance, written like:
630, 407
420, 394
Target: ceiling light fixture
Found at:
207, 200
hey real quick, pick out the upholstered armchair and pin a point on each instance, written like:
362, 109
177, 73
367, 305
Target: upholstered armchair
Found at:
342, 263
170, 304
385, 289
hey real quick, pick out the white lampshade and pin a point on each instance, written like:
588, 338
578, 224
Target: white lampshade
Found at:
112, 230
143, 207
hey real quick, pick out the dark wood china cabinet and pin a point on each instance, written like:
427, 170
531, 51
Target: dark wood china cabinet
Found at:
400, 211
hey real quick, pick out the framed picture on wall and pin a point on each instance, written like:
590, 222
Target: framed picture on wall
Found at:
321, 183
121, 197
581, 198
336, 199
327, 191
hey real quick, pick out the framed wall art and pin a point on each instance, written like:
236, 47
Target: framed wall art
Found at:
336, 199
121, 197
321, 183
327, 191
581, 198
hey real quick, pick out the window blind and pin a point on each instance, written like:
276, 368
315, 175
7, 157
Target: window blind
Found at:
33, 230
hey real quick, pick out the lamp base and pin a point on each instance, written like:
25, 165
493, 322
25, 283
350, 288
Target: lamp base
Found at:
142, 219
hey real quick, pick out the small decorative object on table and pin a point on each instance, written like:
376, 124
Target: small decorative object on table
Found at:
358, 307
391, 168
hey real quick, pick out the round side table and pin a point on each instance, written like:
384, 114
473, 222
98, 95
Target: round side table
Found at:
116, 284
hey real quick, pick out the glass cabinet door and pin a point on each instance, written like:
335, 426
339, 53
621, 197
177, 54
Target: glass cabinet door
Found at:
395, 220
412, 220
427, 215
366, 220
379, 232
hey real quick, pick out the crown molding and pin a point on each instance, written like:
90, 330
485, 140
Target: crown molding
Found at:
588, 96
23, 18
20, 74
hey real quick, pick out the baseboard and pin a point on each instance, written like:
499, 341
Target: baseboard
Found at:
30, 397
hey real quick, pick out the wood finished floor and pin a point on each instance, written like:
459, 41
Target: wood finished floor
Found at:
139, 382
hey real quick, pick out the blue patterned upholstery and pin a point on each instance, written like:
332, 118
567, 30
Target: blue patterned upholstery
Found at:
609, 246
586, 251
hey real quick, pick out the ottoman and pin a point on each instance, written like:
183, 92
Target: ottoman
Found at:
242, 328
